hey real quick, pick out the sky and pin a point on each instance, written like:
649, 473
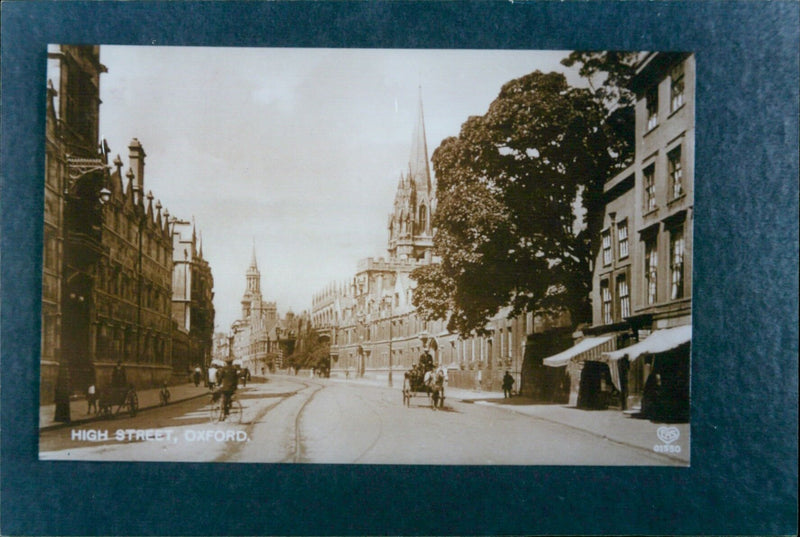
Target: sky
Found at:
294, 152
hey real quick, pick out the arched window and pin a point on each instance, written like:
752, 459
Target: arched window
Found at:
423, 219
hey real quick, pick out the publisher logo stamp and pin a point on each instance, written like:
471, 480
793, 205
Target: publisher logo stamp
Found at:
667, 435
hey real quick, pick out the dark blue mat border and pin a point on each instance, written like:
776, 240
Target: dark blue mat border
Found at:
743, 478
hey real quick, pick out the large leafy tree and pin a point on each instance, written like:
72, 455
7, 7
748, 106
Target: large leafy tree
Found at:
520, 201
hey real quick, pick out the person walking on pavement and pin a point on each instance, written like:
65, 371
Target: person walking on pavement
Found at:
197, 375
212, 377
508, 383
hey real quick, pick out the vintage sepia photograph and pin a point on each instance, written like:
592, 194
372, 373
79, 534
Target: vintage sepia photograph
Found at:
367, 256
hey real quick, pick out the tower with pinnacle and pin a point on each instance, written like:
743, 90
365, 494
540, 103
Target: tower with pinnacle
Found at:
410, 227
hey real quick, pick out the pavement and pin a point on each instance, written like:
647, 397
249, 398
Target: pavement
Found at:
147, 399
671, 440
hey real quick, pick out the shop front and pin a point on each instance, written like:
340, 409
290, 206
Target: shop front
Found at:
660, 365
588, 376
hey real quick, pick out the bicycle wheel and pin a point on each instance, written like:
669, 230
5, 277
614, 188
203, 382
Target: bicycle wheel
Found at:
235, 413
215, 412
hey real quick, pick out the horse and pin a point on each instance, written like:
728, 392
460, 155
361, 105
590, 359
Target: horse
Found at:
435, 385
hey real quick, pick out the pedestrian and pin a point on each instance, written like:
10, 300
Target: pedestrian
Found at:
212, 377
197, 375
508, 383
479, 380
91, 399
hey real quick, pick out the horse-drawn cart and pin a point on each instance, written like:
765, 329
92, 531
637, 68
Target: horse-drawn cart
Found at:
421, 382
124, 398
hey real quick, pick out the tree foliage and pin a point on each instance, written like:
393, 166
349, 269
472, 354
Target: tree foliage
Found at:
310, 352
509, 188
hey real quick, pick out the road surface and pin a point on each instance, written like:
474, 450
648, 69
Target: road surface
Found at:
304, 420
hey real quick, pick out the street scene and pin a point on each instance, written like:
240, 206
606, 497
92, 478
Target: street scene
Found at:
367, 256
302, 420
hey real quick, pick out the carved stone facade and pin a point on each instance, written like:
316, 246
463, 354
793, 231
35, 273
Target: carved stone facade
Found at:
108, 251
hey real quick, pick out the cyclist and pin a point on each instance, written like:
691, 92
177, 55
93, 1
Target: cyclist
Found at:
228, 378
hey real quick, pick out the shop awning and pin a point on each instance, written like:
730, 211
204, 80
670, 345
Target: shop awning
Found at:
659, 341
586, 349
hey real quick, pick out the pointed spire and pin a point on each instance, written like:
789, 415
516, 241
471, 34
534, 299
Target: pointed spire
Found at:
419, 171
253, 262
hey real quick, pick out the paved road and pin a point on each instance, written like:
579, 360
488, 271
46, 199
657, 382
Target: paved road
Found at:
294, 419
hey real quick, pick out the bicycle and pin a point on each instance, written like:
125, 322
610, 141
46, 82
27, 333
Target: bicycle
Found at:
216, 413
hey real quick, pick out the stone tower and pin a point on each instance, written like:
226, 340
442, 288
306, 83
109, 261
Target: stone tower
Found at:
410, 228
253, 291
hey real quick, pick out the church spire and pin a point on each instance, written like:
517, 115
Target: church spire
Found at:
253, 262
419, 171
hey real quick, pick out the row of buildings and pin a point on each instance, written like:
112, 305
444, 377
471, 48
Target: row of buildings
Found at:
638, 340
123, 280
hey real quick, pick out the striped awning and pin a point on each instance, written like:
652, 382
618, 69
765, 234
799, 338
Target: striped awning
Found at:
590, 348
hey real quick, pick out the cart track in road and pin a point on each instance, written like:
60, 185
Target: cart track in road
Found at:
334, 437
297, 455
294, 449
377, 437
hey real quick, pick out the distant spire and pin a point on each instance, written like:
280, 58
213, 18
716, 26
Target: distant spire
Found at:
419, 170
253, 262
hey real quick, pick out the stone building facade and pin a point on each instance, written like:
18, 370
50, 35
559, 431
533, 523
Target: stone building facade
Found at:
108, 252
133, 280
642, 279
192, 300
74, 165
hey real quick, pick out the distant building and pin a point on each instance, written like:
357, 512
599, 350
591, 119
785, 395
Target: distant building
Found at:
260, 337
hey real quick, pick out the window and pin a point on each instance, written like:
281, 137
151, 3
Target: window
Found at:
675, 172
606, 247
651, 269
649, 188
676, 87
622, 238
423, 219
676, 247
651, 99
605, 297
624, 297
